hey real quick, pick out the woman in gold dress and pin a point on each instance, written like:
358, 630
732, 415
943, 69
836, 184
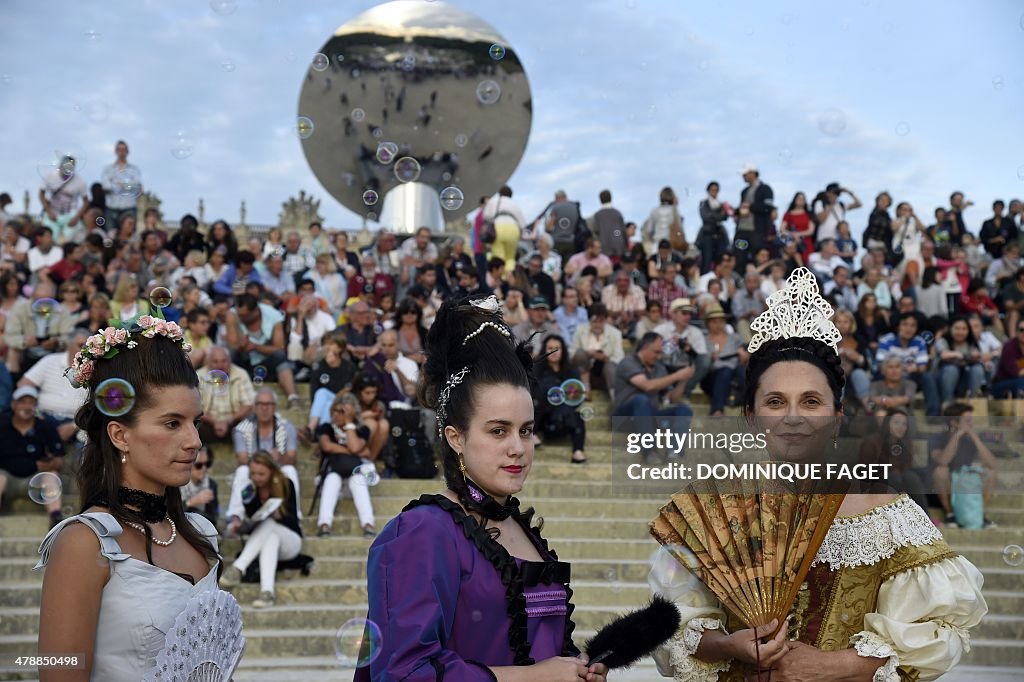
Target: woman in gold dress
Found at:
885, 600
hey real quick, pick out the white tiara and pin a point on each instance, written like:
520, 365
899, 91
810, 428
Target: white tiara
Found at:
794, 311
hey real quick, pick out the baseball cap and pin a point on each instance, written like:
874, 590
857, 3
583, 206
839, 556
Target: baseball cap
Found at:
748, 168
684, 303
539, 302
23, 391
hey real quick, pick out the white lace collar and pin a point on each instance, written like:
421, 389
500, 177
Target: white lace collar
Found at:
868, 538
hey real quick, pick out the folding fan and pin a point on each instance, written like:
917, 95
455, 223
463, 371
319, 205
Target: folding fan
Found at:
752, 548
205, 644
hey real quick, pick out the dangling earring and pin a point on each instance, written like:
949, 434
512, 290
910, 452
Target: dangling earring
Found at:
124, 457
462, 468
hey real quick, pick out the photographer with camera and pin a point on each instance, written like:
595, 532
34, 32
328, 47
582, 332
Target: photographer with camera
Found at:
685, 345
828, 211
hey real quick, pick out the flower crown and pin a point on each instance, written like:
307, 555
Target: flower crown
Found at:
106, 343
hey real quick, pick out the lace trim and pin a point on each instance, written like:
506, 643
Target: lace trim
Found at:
868, 538
688, 668
695, 630
869, 645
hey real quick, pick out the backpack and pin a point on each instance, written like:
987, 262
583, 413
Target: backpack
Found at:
412, 452
488, 233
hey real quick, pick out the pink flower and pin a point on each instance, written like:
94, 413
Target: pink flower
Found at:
85, 371
146, 321
121, 335
161, 327
110, 336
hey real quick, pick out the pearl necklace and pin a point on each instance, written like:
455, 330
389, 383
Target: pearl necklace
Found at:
162, 543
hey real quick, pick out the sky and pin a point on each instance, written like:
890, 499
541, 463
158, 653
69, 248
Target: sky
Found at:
916, 97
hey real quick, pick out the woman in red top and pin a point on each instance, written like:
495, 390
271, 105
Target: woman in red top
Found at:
976, 300
796, 223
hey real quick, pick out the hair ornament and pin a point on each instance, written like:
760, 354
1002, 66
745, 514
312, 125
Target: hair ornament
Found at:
796, 310
443, 400
488, 305
501, 329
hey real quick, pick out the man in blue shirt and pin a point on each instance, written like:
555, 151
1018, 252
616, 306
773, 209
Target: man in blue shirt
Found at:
913, 351
570, 315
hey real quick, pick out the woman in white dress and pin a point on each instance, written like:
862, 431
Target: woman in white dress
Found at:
886, 598
119, 573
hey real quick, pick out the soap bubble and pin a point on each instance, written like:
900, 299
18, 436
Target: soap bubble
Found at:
325, 379
742, 244
896, 450
452, 198
358, 114
218, 382
408, 62
488, 92
304, 126
248, 493
44, 487
92, 35
160, 297
182, 145
586, 413
902, 128
386, 152
63, 164
407, 169
126, 183
573, 392
44, 307
785, 156
1020, 172
927, 337
556, 396
461, 140
832, 122
369, 473
227, 65
370, 197
115, 397
1013, 555
224, 7
396, 431
357, 643
497, 52
997, 82
320, 62
563, 223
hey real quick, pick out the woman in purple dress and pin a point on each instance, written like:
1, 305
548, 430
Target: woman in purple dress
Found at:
461, 584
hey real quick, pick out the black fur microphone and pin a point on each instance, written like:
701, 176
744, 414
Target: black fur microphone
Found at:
629, 638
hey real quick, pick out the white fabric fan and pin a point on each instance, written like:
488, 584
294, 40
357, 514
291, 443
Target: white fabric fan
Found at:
268, 508
205, 644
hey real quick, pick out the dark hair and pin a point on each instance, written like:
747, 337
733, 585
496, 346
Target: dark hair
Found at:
797, 349
597, 309
247, 301
666, 196
957, 410
646, 340
564, 370
245, 258
493, 359
505, 191
605, 196
188, 222
792, 203
195, 314
930, 277
975, 284
153, 363
495, 263
970, 340
711, 184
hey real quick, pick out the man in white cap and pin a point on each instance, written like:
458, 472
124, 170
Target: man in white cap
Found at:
31, 445
684, 343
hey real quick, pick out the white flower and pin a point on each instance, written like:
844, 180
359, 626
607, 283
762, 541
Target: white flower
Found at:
132, 344
489, 304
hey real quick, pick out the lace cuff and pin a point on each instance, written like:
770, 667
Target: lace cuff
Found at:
872, 646
685, 666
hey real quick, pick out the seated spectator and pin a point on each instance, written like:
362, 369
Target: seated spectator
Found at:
590, 256
960, 446
328, 377
1011, 298
597, 348
538, 323
1008, 381
650, 320
298, 258
894, 444
31, 445
359, 332
268, 431
6, 388
624, 301
662, 256
396, 374
854, 355
255, 335
513, 307
58, 399
961, 372
415, 252
912, 351
665, 287
977, 301
373, 413
194, 267
893, 390
127, 302
307, 327
551, 370
331, 286
344, 446
370, 283
70, 266
748, 303
645, 388
225, 404
825, 260
411, 332
200, 493
1001, 271
728, 362
275, 278
988, 344
874, 283
540, 283
273, 539
931, 295
840, 290
684, 343
237, 275
725, 272
30, 335
872, 321
197, 333
44, 255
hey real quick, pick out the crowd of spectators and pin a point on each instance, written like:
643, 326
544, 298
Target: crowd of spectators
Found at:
641, 311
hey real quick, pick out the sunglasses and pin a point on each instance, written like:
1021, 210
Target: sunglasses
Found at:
200, 465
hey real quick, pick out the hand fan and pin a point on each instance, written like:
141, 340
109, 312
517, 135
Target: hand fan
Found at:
205, 644
268, 508
751, 548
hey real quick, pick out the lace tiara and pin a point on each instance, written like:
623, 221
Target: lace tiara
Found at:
794, 311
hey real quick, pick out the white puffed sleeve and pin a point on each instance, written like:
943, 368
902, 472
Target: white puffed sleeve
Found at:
699, 610
922, 619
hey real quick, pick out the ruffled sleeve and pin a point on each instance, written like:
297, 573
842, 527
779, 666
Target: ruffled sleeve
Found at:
104, 525
699, 611
413, 578
923, 618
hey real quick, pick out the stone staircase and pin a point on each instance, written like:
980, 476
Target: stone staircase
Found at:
602, 534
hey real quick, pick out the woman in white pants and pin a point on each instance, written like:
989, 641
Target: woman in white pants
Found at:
277, 537
343, 447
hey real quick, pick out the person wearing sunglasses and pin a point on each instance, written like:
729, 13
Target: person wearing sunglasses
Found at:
200, 493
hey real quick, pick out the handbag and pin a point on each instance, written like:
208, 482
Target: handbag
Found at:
675, 233
966, 498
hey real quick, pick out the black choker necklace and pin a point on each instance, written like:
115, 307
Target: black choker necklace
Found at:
487, 506
153, 508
